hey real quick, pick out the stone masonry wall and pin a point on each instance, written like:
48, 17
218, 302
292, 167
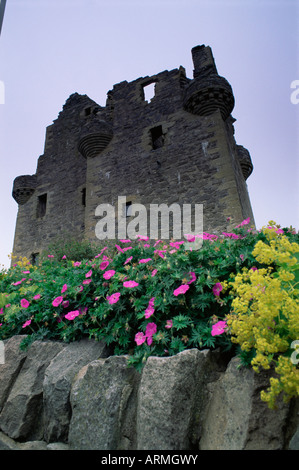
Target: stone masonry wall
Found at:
57, 396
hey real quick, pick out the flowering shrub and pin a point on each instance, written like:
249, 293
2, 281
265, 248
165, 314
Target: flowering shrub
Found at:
151, 297
266, 312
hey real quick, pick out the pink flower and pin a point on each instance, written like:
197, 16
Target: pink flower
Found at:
130, 284
218, 328
149, 311
103, 249
245, 222
125, 241
217, 288
181, 290
242, 257
151, 329
64, 257
168, 324
1, 310
119, 248
36, 297
104, 265
150, 308
86, 281
160, 253
17, 283
231, 235
26, 272
112, 299
279, 230
189, 237
140, 338
154, 272
24, 303
192, 277
72, 315
157, 242
108, 274
77, 263
26, 323
50, 256
142, 237
145, 260
89, 274
127, 248
65, 303
64, 288
57, 301
128, 260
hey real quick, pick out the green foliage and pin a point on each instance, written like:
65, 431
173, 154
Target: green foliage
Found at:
68, 296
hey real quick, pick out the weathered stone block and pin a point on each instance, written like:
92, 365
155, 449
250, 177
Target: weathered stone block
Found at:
237, 419
57, 385
171, 398
22, 415
102, 399
14, 359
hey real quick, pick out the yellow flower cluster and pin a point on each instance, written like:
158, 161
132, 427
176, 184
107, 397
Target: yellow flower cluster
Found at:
23, 261
266, 312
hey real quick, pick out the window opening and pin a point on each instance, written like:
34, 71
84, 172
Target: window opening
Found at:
128, 209
34, 259
41, 205
157, 137
149, 91
83, 197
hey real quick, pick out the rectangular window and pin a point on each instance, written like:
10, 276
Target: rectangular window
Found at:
128, 209
83, 200
41, 206
157, 137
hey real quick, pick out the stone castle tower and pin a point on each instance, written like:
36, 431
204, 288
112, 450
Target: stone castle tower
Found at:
179, 147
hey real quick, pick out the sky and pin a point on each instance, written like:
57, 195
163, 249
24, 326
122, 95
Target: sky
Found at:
50, 49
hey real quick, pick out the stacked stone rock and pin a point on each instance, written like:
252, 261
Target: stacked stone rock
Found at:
76, 396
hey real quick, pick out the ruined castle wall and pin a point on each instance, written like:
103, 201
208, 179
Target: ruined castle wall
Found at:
57, 207
194, 163
177, 148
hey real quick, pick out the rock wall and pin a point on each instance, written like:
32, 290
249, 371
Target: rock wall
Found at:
77, 397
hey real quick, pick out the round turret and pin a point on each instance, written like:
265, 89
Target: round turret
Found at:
245, 161
23, 188
95, 136
204, 95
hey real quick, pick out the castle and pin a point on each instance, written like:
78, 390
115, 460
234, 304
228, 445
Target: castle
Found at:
178, 147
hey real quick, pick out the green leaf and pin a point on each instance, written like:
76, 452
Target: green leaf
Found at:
180, 322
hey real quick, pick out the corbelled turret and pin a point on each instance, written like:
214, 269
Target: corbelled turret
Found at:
95, 136
23, 188
208, 91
